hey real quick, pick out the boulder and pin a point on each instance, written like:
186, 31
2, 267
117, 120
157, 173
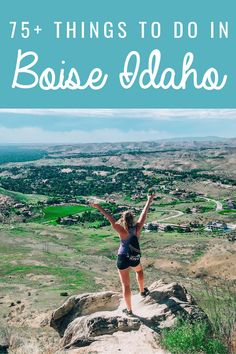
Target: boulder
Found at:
82, 305
84, 330
90, 323
143, 340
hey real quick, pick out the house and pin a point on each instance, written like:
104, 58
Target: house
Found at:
165, 227
177, 192
175, 227
231, 204
27, 213
216, 226
195, 209
195, 225
67, 221
151, 226
135, 196
19, 205
182, 228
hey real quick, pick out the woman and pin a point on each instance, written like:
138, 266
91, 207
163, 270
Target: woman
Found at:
129, 251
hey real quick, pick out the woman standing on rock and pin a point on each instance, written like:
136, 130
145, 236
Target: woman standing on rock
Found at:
129, 251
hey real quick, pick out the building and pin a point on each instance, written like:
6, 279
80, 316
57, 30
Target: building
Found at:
175, 227
151, 226
216, 226
231, 204
165, 227
67, 220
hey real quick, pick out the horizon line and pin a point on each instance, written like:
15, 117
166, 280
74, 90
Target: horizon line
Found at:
207, 138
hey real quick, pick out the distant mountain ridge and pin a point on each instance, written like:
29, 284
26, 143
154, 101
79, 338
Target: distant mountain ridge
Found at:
174, 139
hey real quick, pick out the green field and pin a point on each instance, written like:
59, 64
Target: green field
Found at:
72, 280
228, 211
52, 213
25, 198
73, 257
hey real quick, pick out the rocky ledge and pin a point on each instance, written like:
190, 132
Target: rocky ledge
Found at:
95, 323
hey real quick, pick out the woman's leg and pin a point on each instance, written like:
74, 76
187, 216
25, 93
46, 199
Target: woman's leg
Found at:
139, 276
125, 281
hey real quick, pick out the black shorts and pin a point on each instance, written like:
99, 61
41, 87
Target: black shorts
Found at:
123, 262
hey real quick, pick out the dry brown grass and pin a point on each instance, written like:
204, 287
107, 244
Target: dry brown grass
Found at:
18, 343
219, 302
219, 261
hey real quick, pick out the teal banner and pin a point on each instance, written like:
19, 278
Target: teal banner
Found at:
126, 54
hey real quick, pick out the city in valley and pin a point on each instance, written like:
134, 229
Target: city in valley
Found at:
54, 244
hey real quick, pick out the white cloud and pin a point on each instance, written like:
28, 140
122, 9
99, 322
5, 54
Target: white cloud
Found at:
38, 135
156, 114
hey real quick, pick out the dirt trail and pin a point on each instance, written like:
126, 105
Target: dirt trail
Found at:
178, 213
219, 205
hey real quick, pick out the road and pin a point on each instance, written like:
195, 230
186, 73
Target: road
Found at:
178, 213
219, 205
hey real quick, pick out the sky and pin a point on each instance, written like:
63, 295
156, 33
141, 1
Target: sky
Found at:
112, 125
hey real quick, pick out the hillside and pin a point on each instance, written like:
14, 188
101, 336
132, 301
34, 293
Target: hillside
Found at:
54, 245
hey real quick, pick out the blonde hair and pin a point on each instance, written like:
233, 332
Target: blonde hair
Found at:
127, 219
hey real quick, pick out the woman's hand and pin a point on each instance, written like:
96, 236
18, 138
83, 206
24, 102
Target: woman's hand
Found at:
143, 215
151, 196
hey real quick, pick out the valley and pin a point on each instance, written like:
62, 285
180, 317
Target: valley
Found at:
54, 244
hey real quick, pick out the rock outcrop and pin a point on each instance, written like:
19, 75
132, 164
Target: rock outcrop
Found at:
83, 305
95, 323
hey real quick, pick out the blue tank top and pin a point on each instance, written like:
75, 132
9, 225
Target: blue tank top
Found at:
124, 244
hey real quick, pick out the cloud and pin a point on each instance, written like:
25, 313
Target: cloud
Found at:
155, 114
38, 135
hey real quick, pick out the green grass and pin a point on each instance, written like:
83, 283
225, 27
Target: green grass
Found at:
197, 253
218, 301
95, 236
227, 211
69, 278
127, 198
173, 202
52, 213
191, 338
21, 197
14, 249
94, 224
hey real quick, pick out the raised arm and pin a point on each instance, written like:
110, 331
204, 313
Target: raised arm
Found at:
143, 215
109, 217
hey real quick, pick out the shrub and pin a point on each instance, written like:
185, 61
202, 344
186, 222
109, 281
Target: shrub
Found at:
219, 303
191, 338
